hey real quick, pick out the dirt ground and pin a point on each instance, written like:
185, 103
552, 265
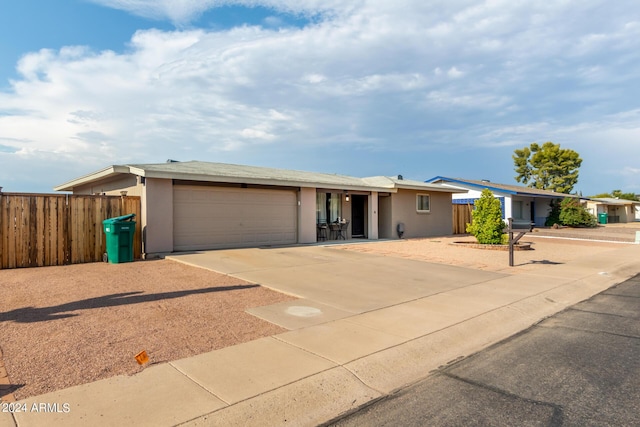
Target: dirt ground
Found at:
443, 250
69, 325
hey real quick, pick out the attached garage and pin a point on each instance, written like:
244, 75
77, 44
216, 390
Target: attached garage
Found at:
219, 217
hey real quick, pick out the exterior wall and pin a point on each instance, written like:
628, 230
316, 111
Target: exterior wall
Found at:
623, 212
307, 215
596, 208
372, 216
113, 186
542, 210
526, 208
470, 194
346, 213
630, 214
437, 222
508, 207
157, 216
385, 227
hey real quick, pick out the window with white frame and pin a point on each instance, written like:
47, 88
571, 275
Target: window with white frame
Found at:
423, 203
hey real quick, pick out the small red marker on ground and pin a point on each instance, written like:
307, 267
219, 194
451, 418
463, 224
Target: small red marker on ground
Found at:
142, 357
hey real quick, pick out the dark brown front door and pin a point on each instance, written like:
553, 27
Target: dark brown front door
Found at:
357, 215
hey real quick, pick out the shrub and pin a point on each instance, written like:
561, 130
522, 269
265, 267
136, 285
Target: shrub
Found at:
554, 214
573, 214
486, 220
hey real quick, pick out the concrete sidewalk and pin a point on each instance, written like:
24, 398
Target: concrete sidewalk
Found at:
366, 326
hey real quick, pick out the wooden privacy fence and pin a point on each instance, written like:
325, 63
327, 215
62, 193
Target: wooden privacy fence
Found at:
461, 217
56, 229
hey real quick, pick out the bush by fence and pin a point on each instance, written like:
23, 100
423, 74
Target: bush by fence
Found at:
56, 229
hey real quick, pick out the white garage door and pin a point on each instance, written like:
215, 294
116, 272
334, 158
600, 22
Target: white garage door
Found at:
217, 217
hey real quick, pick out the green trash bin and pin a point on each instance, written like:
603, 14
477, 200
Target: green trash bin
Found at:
603, 218
119, 232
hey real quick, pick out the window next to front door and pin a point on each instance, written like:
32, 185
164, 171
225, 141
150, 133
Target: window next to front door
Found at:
328, 207
517, 209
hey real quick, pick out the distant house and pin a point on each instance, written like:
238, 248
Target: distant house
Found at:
201, 205
617, 210
520, 203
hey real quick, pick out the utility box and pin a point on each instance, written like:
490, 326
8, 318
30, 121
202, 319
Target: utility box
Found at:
119, 233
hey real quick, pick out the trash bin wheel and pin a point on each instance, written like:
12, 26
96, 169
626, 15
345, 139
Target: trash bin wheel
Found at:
105, 257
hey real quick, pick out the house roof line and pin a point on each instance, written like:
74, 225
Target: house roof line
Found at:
102, 173
229, 173
461, 181
502, 188
613, 201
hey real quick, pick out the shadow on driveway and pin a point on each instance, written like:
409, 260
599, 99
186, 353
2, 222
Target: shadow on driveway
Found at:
43, 314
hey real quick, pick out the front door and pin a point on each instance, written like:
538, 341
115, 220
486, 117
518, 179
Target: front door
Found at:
533, 213
357, 215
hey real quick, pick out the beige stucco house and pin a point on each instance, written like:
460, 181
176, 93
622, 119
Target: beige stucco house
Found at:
200, 205
617, 210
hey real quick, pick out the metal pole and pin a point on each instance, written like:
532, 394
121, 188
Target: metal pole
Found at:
510, 242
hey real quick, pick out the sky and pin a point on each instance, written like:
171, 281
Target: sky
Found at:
360, 87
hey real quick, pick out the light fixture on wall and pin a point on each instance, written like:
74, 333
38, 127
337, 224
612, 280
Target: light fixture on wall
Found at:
346, 197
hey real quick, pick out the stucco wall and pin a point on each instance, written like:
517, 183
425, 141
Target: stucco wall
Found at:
470, 194
543, 209
385, 227
371, 219
438, 222
307, 215
112, 186
346, 213
157, 216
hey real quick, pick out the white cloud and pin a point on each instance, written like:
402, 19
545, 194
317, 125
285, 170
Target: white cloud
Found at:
454, 73
184, 11
630, 171
374, 75
315, 78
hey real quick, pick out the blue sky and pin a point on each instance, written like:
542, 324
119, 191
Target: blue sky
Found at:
365, 87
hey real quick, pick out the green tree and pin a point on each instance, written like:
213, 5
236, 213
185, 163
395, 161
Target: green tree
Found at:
573, 214
486, 220
547, 167
601, 195
617, 194
554, 213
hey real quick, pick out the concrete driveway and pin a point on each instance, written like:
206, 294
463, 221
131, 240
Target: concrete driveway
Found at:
333, 283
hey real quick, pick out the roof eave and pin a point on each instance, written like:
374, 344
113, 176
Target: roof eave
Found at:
255, 181
95, 176
434, 187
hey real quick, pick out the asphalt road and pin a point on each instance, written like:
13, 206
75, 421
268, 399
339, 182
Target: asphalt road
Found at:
580, 367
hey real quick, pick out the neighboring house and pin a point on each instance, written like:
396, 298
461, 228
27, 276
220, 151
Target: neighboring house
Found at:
520, 203
200, 205
617, 210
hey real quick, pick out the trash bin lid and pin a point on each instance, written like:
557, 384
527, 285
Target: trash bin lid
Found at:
119, 219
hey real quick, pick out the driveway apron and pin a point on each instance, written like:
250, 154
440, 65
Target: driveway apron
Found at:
332, 281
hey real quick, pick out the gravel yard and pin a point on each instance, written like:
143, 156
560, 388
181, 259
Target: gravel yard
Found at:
444, 251
69, 325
